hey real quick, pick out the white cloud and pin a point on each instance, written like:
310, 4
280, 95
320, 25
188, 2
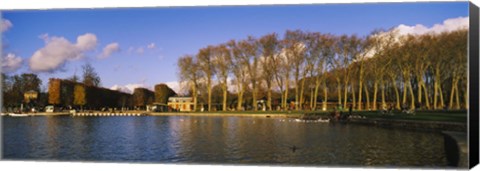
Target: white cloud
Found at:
141, 49
151, 46
129, 88
58, 51
5, 25
11, 63
174, 86
109, 50
395, 35
448, 25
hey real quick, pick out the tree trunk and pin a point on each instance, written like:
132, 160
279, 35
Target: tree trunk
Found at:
254, 96
384, 105
311, 100
440, 90
240, 100
209, 89
367, 97
375, 89
354, 99
287, 82
427, 101
435, 94
325, 98
419, 94
224, 105
359, 106
412, 96
317, 85
405, 88
339, 91
397, 95
194, 92
345, 95
302, 90
457, 99
452, 94
269, 99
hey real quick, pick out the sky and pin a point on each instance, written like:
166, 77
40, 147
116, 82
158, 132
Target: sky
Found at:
139, 47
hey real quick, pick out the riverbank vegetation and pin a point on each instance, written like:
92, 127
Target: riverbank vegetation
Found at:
308, 70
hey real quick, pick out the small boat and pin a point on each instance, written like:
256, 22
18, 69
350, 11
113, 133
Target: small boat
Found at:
17, 115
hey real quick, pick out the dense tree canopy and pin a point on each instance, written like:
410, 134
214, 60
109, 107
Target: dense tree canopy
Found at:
373, 72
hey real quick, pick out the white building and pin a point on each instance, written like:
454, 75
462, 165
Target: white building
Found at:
183, 104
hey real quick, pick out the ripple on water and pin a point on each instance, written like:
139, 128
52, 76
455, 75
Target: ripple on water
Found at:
199, 139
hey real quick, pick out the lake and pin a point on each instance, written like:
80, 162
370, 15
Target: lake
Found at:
217, 140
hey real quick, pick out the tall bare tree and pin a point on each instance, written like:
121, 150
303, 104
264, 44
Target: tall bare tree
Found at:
206, 65
270, 48
190, 73
222, 62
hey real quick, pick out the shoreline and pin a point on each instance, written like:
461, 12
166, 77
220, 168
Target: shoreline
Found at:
276, 115
386, 123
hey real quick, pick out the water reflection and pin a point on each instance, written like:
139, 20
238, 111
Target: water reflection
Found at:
235, 140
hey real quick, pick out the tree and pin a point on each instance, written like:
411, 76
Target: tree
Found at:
270, 48
205, 61
162, 93
79, 95
190, 73
246, 52
240, 72
142, 97
222, 62
54, 91
295, 51
90, 77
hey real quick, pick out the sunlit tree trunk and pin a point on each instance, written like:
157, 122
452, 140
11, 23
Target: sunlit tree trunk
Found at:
317, 86
457, 99
367, 97
354, 99
412, 96
452, 94
325, 97
397, 95
209, 91
375, 89
359, 106
382, 87
339, 91
224, 87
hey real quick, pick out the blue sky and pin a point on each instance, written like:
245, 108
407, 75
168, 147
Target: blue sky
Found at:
175, 31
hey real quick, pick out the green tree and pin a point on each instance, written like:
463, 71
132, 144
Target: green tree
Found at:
79, 95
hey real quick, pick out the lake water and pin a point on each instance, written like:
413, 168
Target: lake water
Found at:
216, 140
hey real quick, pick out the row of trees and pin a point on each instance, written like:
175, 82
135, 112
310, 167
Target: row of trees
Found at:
75, 94
69, 93
383, 68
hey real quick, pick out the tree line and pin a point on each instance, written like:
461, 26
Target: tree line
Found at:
381, 69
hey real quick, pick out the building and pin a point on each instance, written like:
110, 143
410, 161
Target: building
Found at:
183, 104
30, 96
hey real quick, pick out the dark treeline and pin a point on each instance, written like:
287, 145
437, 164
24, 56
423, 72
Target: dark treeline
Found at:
68, 93
14, 87
313, 69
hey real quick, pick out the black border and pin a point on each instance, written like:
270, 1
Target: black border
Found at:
474, 86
